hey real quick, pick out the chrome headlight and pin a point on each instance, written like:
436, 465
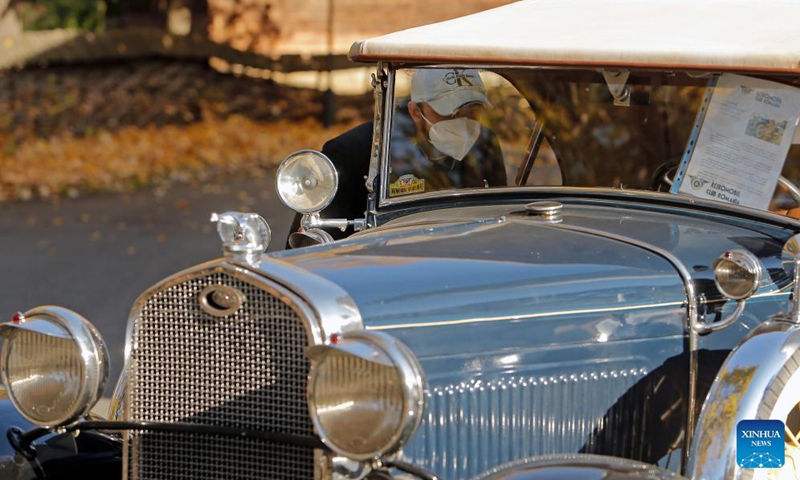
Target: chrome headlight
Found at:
366, 394
737, 274
54, 365
307, 181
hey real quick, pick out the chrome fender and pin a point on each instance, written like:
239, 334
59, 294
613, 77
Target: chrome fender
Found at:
759, 380
578, 466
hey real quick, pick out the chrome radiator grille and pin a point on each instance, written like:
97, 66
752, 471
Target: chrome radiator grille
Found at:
247, 370
474, 426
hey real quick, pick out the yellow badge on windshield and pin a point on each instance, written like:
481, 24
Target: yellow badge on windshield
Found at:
407, 184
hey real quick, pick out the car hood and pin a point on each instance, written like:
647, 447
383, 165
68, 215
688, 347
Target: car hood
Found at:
499, 263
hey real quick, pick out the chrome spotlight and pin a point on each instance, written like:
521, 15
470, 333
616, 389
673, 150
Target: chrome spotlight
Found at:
307, 181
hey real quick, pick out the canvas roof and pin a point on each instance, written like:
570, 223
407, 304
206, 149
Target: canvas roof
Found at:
754, 35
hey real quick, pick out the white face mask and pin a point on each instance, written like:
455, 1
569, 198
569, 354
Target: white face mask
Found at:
454, 137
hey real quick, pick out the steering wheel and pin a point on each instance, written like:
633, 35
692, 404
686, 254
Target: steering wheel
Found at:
662, 180
791, 188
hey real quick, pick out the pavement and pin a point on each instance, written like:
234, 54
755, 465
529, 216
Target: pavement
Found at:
97, 254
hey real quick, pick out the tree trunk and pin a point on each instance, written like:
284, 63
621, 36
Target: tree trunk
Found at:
10, 25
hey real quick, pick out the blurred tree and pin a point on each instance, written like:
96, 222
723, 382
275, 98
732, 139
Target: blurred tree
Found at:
10, 25
88, 15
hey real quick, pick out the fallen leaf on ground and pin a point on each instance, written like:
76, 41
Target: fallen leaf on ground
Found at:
135, 157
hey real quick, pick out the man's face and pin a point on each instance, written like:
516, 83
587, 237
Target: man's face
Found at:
416, 110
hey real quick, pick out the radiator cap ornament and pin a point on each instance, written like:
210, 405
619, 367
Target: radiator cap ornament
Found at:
245, 236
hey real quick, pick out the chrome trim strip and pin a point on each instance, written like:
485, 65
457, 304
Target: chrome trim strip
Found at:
784, 291
523, 317
558, 313
335, 309
548, 192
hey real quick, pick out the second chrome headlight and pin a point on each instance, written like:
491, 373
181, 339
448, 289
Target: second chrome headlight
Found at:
366, 394
737, 274
54, 365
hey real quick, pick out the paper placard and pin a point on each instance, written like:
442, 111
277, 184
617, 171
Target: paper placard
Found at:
742, 145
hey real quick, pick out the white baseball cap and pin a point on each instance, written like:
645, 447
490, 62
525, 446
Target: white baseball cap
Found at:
448, 89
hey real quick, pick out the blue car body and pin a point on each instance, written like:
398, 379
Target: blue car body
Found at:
531, 333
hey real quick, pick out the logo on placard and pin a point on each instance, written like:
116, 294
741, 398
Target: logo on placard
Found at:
697, 182
760, 444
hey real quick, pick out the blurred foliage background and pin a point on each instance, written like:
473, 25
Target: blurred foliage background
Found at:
88, 15
118, 95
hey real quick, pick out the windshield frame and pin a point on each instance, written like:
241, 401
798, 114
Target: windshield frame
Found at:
382, 200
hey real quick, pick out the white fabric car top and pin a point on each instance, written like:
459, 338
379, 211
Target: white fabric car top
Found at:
760, 35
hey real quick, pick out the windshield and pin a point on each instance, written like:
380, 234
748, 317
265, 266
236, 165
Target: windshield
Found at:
457, 128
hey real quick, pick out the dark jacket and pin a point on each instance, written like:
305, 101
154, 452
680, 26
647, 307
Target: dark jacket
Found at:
350, 154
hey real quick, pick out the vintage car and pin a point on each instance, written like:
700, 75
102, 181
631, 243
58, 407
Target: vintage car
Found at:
613, 307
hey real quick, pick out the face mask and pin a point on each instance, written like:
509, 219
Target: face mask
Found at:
454, 137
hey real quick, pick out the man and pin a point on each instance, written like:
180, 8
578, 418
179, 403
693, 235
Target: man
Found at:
437, 143
444, 146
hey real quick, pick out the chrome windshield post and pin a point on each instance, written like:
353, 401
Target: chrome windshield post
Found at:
795, 293
790, 259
